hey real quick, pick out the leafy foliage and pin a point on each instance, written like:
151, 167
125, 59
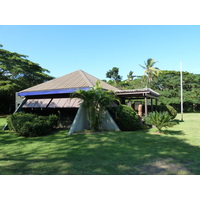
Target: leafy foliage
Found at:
126, 118
95, 101
31, 125
130, 76
171, 111
150, 71
168, 85
17, 73
114, 74
159, 120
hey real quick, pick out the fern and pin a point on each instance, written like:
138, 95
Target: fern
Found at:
159, 120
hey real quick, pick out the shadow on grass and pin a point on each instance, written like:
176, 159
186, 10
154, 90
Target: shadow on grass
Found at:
127, 152
178, 121
105, 153
170, 132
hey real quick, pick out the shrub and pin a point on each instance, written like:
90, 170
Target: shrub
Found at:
126, 118
159, 120
172, 112
53, 120
31, 125
16, 120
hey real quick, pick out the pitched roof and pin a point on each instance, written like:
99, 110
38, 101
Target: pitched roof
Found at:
75, 80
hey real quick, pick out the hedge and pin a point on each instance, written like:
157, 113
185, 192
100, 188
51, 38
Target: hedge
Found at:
31, 125
126, 118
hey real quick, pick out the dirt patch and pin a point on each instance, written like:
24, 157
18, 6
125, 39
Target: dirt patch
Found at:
164, 167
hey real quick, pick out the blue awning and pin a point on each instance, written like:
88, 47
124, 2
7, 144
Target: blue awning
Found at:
47, 92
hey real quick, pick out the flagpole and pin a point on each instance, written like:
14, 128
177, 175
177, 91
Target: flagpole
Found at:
181, 79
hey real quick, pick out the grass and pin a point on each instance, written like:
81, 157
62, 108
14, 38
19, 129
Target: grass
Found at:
140, 152
2, 121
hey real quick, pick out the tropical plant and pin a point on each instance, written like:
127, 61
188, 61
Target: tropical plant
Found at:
172, 111
130, 76
95, 101
159, 120
150, 70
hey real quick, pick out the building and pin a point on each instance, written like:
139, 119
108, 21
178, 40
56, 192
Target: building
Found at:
53, 97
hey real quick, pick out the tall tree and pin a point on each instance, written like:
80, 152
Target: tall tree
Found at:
18, 69
130, 76
17, 73
150, 71
113, 74
168, 85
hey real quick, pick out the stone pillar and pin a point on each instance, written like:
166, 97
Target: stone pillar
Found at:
140, 111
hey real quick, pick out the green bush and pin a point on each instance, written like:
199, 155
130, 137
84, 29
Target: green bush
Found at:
126, 118
16, 120
31, 125
53, 120
172, 112
159, 120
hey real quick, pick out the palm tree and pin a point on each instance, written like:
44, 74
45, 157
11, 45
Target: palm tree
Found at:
150, 71
130, 76
95, 101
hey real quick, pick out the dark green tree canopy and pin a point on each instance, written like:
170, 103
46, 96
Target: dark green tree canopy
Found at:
114, 74
168, 85
17, 73
20, 71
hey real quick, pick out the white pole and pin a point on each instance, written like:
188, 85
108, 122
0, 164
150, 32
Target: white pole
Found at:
181, 77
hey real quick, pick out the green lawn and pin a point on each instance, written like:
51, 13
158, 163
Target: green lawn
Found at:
140, 152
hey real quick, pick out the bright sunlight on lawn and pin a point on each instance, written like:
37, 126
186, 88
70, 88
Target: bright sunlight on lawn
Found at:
140, 152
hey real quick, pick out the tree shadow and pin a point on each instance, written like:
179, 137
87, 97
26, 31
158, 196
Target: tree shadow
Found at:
128, 151
170, 132
178, 121
107, 153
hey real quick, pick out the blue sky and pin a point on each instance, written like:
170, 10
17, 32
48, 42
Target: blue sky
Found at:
97, 49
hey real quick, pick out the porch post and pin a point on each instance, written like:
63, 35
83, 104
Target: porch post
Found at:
151, 105
156, 104
146, 108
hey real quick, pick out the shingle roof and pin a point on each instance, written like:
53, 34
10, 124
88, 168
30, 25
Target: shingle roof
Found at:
77, 79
